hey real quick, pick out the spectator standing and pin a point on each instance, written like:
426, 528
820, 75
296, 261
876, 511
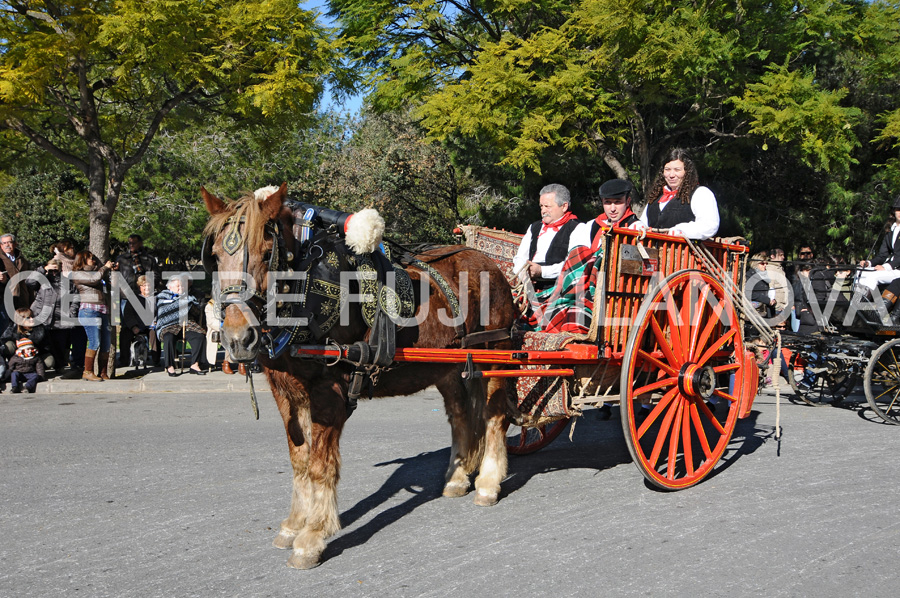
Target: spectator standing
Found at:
64, 252
13, 262
26, 368
137, 262
47, 310
91, 281
131, 265
813, 284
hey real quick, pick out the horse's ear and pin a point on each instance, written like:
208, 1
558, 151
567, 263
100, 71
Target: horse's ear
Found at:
214, 205
272, 204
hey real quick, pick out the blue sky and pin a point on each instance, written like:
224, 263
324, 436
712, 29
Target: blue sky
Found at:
352, 104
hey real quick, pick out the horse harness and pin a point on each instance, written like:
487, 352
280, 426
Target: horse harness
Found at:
314, 276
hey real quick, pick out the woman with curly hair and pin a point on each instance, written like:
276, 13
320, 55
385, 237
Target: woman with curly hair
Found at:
678, 202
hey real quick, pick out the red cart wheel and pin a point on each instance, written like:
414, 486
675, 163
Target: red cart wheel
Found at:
684, 350
524, 441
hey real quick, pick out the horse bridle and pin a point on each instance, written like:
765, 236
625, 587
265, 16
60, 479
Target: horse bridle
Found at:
242, 294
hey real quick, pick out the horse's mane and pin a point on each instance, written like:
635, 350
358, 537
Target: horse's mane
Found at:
246, 207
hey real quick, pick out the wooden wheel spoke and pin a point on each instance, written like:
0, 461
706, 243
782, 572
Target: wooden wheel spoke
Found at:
695, 323
728, 367
893, 402
664, 344
673, 314
708, 329
663, 433
657, 409
710, 416
664, 383
725, 395
660, 364
715, 347
698, 425
674, 440
686, 439
886, 391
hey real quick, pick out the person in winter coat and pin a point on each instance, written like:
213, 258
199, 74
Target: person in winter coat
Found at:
178, 315
47, 310
814, 283
135, 322
24, 326
91, 280
26, 367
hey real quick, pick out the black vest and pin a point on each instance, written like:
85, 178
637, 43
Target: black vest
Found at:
559, 246
675, 213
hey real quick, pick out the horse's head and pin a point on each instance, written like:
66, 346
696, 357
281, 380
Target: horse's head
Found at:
245, 241
252, 243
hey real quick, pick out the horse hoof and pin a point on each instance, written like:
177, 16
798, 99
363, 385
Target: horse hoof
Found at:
303, 561
284, 541
454, 490
486, 499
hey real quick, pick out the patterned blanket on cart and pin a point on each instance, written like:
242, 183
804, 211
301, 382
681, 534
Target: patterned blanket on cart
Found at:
544, 399
568, 306
499, 245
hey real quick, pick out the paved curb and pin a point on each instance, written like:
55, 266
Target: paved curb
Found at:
154, 382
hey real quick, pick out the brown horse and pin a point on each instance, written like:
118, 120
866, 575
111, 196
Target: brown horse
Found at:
248, 238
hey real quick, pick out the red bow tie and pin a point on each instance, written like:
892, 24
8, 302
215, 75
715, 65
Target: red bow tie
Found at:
667, 194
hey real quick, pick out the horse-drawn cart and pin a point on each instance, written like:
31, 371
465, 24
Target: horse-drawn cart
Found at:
856, 343
666, 331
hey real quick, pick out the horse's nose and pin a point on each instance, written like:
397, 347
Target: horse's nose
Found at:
240, 336
243, 344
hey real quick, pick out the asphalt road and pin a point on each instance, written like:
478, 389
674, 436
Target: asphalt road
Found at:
145, 495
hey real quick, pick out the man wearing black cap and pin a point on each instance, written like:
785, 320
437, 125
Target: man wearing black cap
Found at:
616, 197
885, 266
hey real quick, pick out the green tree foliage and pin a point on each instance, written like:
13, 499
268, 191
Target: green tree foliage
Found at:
93, 82
33, 207
388, 164
159, 198
788, 106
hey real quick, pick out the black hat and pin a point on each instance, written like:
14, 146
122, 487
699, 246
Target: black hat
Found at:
615, 188
896, 205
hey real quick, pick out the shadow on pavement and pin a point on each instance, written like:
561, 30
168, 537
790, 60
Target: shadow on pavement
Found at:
422, 476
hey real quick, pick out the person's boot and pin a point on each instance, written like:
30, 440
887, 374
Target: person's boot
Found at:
104, 364
242, 369
226, 368
89, 356
892, 308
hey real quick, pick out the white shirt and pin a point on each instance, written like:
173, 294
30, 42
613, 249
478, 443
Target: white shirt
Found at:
581, 236
705, 224
549, 271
